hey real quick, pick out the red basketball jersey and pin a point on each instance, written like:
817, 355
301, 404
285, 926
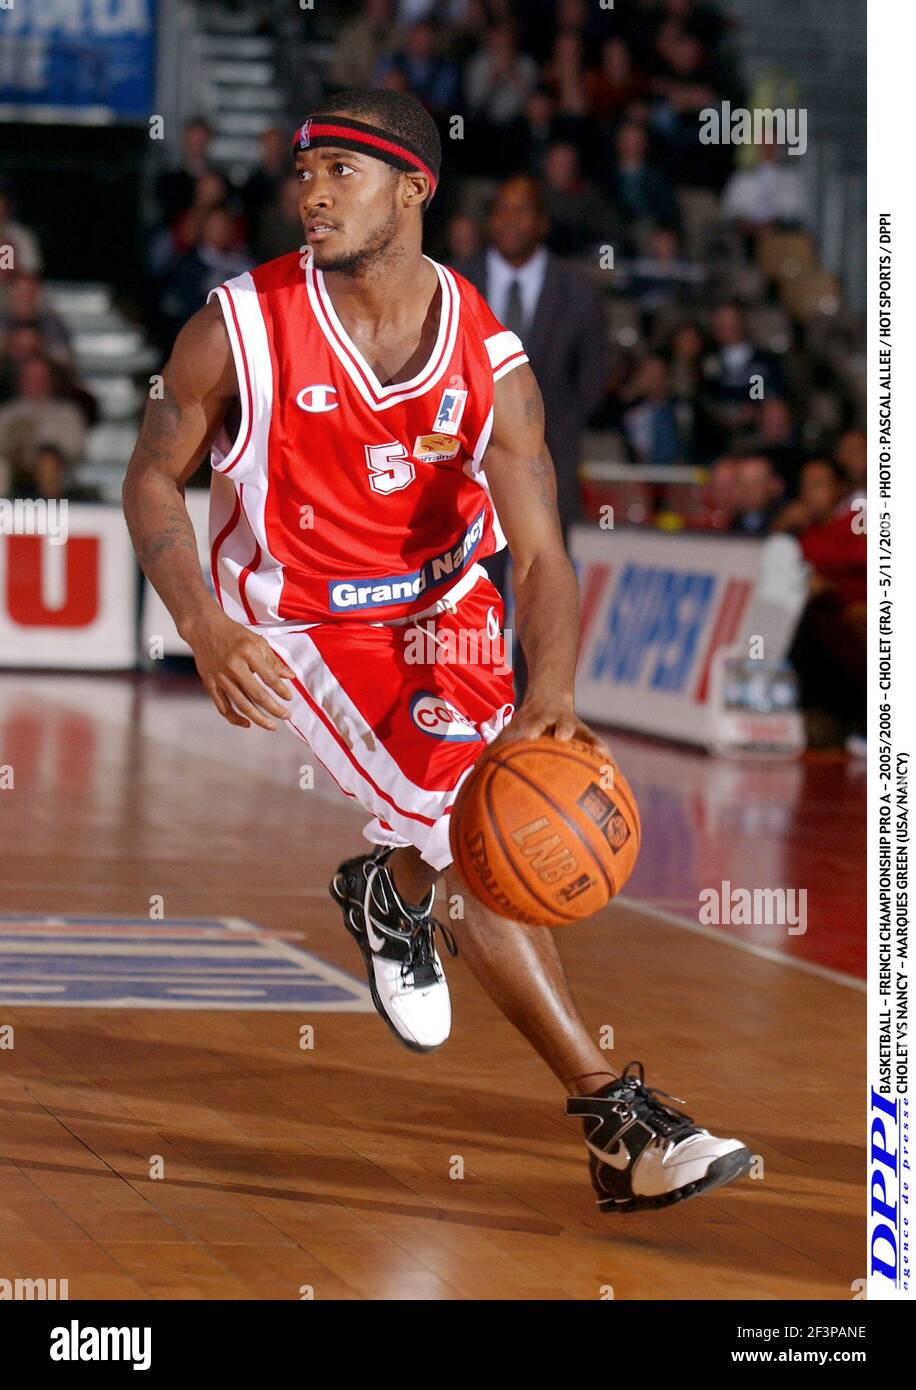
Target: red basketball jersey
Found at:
341, 498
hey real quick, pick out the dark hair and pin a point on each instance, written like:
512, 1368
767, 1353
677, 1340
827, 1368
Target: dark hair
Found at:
839, 474
397, 112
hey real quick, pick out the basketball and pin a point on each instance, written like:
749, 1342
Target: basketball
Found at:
545, 831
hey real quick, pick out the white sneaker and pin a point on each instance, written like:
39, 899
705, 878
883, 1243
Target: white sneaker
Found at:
405, 973
643, 1154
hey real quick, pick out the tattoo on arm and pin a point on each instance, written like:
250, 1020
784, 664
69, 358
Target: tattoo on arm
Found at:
542, 474
177, 534
160, 425
534, 409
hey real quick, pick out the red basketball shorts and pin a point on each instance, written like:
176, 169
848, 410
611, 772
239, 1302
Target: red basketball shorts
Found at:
399, 712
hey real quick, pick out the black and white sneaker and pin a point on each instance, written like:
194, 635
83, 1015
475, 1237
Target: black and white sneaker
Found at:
643, 1154
406, 978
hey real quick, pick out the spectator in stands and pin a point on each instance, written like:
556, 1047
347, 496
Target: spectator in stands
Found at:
26, 304
639, 190
280, 226
19, 249
581, 218
704, 21
732, 371
650, 422
687, 348
829, 650
662, 273
215, 258
22, 341
775, 435
852, 457
262, 187
823, 496
449, 12
564, 74
539, 127
770, 194
174, 188
431, 76
464, 239
722, 494
361, 46
499, 79
682, 87
758, 489
211, 191
559, 315
610, 88
35, 421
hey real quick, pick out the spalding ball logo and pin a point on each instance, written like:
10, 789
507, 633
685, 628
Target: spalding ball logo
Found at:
439, 719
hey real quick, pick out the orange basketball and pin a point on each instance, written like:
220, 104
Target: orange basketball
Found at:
545, 831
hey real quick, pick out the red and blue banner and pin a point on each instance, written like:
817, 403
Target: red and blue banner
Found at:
659, 613
83, 61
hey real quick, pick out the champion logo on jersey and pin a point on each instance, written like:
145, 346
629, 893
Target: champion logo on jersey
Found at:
451, 409
317, 398
440, 719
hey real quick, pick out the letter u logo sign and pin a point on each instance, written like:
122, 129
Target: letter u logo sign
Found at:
317, 398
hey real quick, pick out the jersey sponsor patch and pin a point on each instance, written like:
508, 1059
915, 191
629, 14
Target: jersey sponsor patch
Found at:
435, 448
451, 409
361, 595
440, 719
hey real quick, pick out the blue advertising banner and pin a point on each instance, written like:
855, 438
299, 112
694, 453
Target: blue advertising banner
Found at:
86, 61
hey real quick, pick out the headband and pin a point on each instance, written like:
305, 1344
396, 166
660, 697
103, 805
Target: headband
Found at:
368, 139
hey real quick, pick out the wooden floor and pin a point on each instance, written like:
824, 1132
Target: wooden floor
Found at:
329, 1168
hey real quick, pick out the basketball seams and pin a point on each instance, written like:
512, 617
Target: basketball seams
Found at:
577, 754
529, 781
497, 831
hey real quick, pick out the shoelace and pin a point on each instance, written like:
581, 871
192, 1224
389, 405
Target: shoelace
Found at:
641, 1099
420, 957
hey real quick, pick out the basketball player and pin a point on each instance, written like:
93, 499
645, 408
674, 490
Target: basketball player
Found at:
374, 433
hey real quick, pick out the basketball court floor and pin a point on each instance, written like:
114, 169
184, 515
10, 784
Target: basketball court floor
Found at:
198, 1101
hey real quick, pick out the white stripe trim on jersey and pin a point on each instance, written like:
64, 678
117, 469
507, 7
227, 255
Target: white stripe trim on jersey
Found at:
515, 360
377, 396
501, 346
246, 462
372, 776
475, 470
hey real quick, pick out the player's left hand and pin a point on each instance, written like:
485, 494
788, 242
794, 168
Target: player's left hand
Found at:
554, 717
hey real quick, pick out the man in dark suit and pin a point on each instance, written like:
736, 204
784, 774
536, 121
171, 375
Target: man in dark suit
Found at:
559, 316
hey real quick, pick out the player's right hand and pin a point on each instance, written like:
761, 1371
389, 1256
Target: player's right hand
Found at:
239, 670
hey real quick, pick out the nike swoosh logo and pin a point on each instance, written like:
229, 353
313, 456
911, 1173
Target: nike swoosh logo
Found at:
376, 941
617, 1158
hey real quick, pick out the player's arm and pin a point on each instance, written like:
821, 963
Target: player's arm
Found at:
199, 384
522, 481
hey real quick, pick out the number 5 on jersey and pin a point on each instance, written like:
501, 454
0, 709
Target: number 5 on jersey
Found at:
389, 468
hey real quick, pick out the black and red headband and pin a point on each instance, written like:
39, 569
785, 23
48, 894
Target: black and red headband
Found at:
367, 139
